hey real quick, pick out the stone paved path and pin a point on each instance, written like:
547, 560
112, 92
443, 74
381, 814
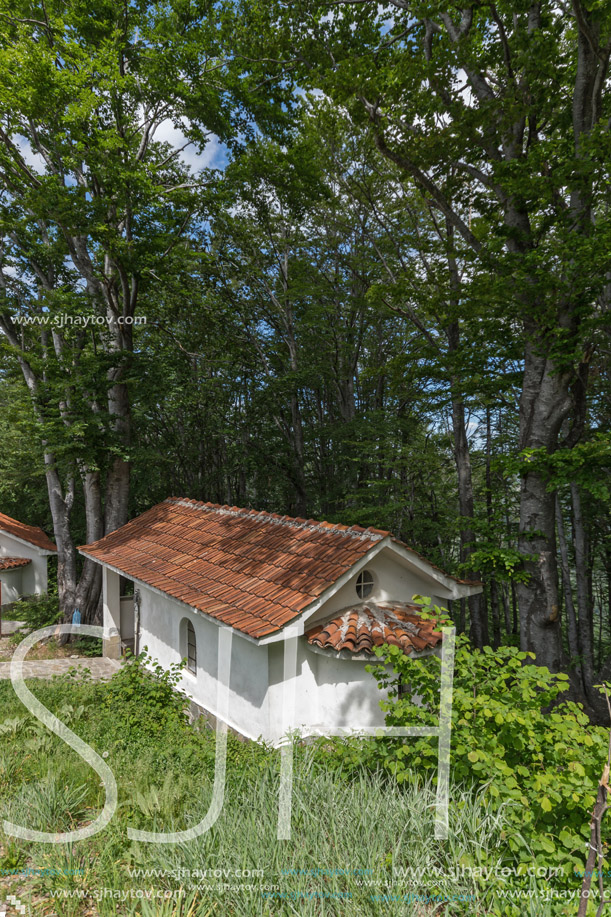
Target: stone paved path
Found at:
101, 669
11, 627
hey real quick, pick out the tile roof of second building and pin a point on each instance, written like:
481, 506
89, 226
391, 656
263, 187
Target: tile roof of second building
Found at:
30, 533
255, 571
11, 563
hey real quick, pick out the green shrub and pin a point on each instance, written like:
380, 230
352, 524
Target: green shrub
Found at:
547, 764
143, 697
37, 611
88, 646
165, 773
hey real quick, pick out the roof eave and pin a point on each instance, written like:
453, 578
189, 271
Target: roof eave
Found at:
371, 658
455, 589
44, 552
12, 567
296, 624
166, 595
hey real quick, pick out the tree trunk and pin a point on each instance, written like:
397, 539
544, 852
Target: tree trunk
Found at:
573, 633
61, 507
478, 618
573, 636
544, 404
507, 610
119, 408
299, 479
584, 608
477, 609
494, 595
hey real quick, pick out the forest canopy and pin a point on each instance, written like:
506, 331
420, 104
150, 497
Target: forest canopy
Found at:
346, 260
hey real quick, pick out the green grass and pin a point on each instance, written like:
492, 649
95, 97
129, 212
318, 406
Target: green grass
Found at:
348, 830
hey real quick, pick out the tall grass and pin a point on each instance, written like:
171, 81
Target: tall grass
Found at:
47, 805
348, 838
351, 835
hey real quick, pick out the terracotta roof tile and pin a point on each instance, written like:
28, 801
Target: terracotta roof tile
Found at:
225, 561
361, 627
11, 563
30, 533
255, 571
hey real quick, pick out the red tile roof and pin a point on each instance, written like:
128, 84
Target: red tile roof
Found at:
252, 570
361, 627
30, 533
9, 563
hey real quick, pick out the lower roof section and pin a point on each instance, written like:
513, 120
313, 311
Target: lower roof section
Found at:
11, 563
360, 628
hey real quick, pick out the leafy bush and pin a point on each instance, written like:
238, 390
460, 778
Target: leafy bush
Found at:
88, 646
143, 697
37, 611
547, 764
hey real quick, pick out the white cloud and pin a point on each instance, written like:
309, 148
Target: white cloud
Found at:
33, 160
214, 153
462, 85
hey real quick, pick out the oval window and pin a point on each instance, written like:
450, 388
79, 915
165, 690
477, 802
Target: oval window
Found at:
364, 584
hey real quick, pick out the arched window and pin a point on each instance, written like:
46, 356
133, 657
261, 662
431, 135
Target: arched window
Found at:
188, 649
191, 650
364, 584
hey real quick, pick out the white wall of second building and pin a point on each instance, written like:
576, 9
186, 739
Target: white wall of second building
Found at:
34, 576
11, 585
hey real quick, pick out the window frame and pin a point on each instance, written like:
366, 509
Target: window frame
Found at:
191, 647
365, 581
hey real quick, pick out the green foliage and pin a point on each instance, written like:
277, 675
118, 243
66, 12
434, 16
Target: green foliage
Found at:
586, 464
513, 734
14, 857
88, 646
37, 611
165, 783
503, 562
143, 698
50, 804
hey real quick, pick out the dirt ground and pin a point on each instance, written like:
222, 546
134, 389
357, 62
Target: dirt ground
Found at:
46, 650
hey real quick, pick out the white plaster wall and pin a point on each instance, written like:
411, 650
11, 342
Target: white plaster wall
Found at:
160, 620
347, 695
332, 691
394, 580
34, 576
329, 692
11, 585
